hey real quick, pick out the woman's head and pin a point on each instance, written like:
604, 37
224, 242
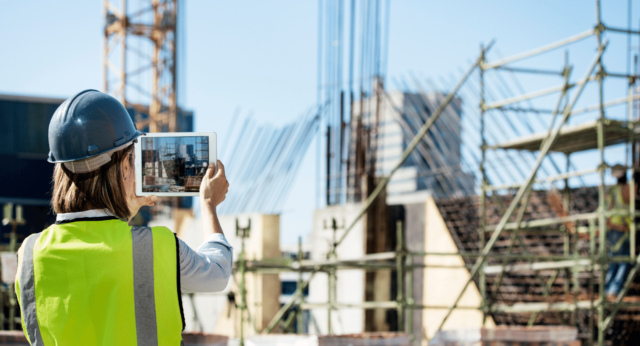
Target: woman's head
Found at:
90, 141
103, 188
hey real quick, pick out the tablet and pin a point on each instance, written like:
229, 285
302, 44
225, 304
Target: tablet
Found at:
173, 164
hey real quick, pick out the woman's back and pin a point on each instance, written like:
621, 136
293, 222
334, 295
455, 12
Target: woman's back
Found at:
91, 279
102, 282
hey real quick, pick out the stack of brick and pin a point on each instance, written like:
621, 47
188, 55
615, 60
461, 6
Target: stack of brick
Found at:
508, 336
461, 217
13, 338
370, 339
201, 339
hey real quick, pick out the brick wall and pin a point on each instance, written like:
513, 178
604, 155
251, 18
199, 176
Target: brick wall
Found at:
461, 218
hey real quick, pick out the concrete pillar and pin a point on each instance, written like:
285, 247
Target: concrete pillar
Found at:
263, 290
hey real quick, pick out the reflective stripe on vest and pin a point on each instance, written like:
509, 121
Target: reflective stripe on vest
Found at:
101, 283
27, 297
617, 205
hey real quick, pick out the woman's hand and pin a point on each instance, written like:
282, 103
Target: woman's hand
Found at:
214, 188
135, 203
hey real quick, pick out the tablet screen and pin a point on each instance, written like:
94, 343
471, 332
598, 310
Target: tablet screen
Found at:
173, 164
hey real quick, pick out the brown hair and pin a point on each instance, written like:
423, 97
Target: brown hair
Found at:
100, 189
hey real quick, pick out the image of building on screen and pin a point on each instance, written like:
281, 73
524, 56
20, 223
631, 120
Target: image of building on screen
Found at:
174, 164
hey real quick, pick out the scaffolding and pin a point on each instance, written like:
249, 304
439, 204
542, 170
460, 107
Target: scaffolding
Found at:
202, 154
167, 154
149, 158
581, 267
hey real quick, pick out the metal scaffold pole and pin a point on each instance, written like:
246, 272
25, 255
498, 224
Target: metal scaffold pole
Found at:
483, 181
400, 272
332, 277
299, 312
243, 233
410, 301
601, 191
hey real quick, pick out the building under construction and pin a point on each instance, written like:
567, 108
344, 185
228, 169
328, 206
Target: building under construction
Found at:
444, 205
524, 245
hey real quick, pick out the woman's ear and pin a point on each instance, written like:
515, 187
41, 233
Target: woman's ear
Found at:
125, 167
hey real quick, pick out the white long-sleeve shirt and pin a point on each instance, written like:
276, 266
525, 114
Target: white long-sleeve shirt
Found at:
204, 270
208, 269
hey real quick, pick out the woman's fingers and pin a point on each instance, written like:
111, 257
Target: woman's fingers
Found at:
220, 172
215, 185
211, 170
146, 200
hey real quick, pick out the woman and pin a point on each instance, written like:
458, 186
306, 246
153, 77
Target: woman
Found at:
91, 279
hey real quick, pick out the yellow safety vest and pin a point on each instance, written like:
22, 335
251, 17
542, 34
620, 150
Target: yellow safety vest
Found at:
617, 205
99, 281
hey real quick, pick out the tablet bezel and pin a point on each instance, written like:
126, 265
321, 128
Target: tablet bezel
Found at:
138, 160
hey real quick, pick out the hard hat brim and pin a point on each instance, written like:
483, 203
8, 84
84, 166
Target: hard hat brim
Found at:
133, 138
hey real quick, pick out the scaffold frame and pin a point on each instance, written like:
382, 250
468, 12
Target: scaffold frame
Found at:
401, 260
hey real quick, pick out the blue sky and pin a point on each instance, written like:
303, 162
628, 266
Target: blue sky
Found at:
260, 56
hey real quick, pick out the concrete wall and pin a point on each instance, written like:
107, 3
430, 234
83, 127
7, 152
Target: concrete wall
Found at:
426, 232
441, 286
350, 285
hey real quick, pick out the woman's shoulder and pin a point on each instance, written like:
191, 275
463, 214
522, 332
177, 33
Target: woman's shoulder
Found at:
157, 231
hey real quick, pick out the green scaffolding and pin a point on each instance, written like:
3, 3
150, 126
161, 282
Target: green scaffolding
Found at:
568, 139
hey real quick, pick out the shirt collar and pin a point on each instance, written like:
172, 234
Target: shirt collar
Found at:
87, 214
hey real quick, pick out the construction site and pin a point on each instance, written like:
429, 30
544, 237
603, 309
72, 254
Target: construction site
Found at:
471, 209
171, 164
